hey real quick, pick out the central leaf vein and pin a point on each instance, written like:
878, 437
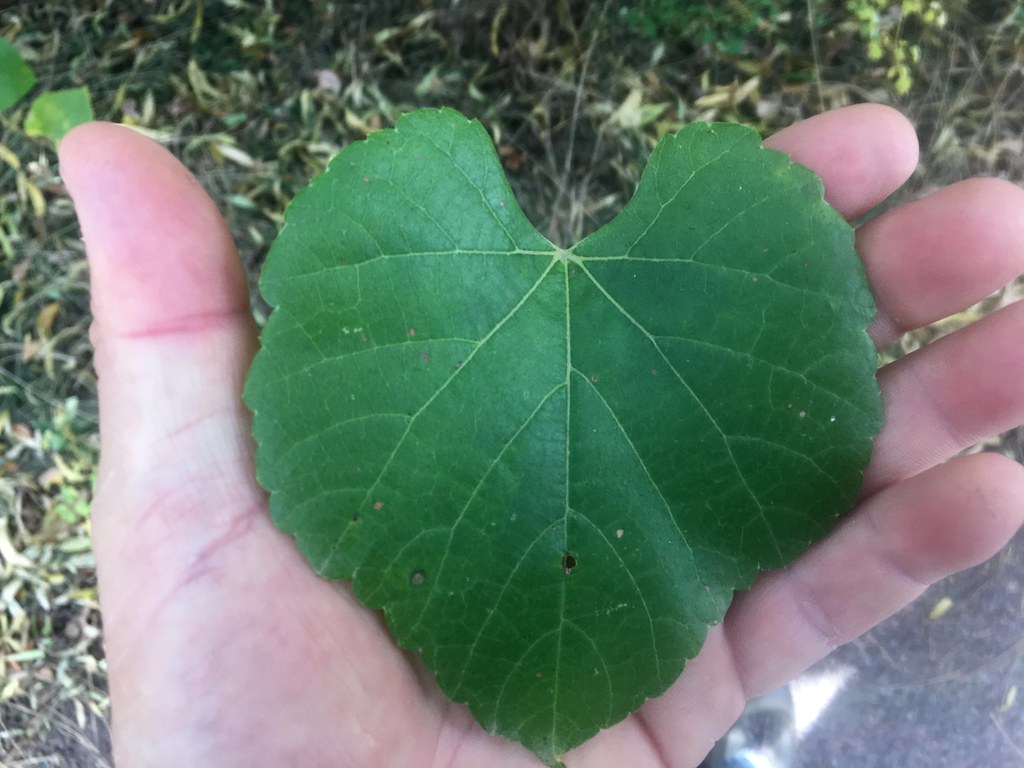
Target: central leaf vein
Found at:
565, 518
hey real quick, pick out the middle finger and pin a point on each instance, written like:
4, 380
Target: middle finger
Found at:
937, 256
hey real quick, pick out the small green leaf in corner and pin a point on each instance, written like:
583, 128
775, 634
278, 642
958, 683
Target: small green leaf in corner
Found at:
55, 113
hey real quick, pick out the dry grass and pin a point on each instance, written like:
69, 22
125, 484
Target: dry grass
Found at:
256, 96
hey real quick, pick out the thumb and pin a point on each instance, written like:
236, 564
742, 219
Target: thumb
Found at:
173, 340
171, 327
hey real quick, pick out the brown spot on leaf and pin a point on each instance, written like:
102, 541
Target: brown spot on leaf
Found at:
568, 563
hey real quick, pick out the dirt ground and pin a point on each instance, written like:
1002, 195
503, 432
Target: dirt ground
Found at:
255, 97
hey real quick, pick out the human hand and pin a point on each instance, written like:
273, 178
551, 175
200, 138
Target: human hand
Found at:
223, 646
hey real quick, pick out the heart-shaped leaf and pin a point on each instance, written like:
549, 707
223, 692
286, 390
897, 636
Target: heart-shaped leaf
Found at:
551, 468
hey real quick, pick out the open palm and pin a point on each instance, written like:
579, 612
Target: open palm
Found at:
224, 648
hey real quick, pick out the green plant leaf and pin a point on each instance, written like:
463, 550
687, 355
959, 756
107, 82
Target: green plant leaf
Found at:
16, 77
54, 113
551, 468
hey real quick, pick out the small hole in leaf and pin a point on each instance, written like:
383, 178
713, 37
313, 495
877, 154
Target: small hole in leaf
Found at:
417, 578
355, 518
568, 563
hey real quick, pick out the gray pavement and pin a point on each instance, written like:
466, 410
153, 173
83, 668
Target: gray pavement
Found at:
919, 692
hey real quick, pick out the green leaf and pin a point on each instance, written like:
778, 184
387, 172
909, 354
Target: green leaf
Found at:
551, 468
16, 77
55, 113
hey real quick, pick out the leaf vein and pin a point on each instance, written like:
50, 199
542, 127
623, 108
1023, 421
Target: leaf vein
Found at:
465, 363
487, 206
715, 266
494, 608
472, 496
773, 366
688, 388
787, 449
636, 586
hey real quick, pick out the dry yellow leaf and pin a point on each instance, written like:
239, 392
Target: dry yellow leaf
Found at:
9, 556
234, 154
50, 478
11, 689
353, 121
36, 198
10, 158
941, 608
1009, 700
30, 348
45, 318
69, 473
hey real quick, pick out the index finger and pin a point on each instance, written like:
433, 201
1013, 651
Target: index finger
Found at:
863, 153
